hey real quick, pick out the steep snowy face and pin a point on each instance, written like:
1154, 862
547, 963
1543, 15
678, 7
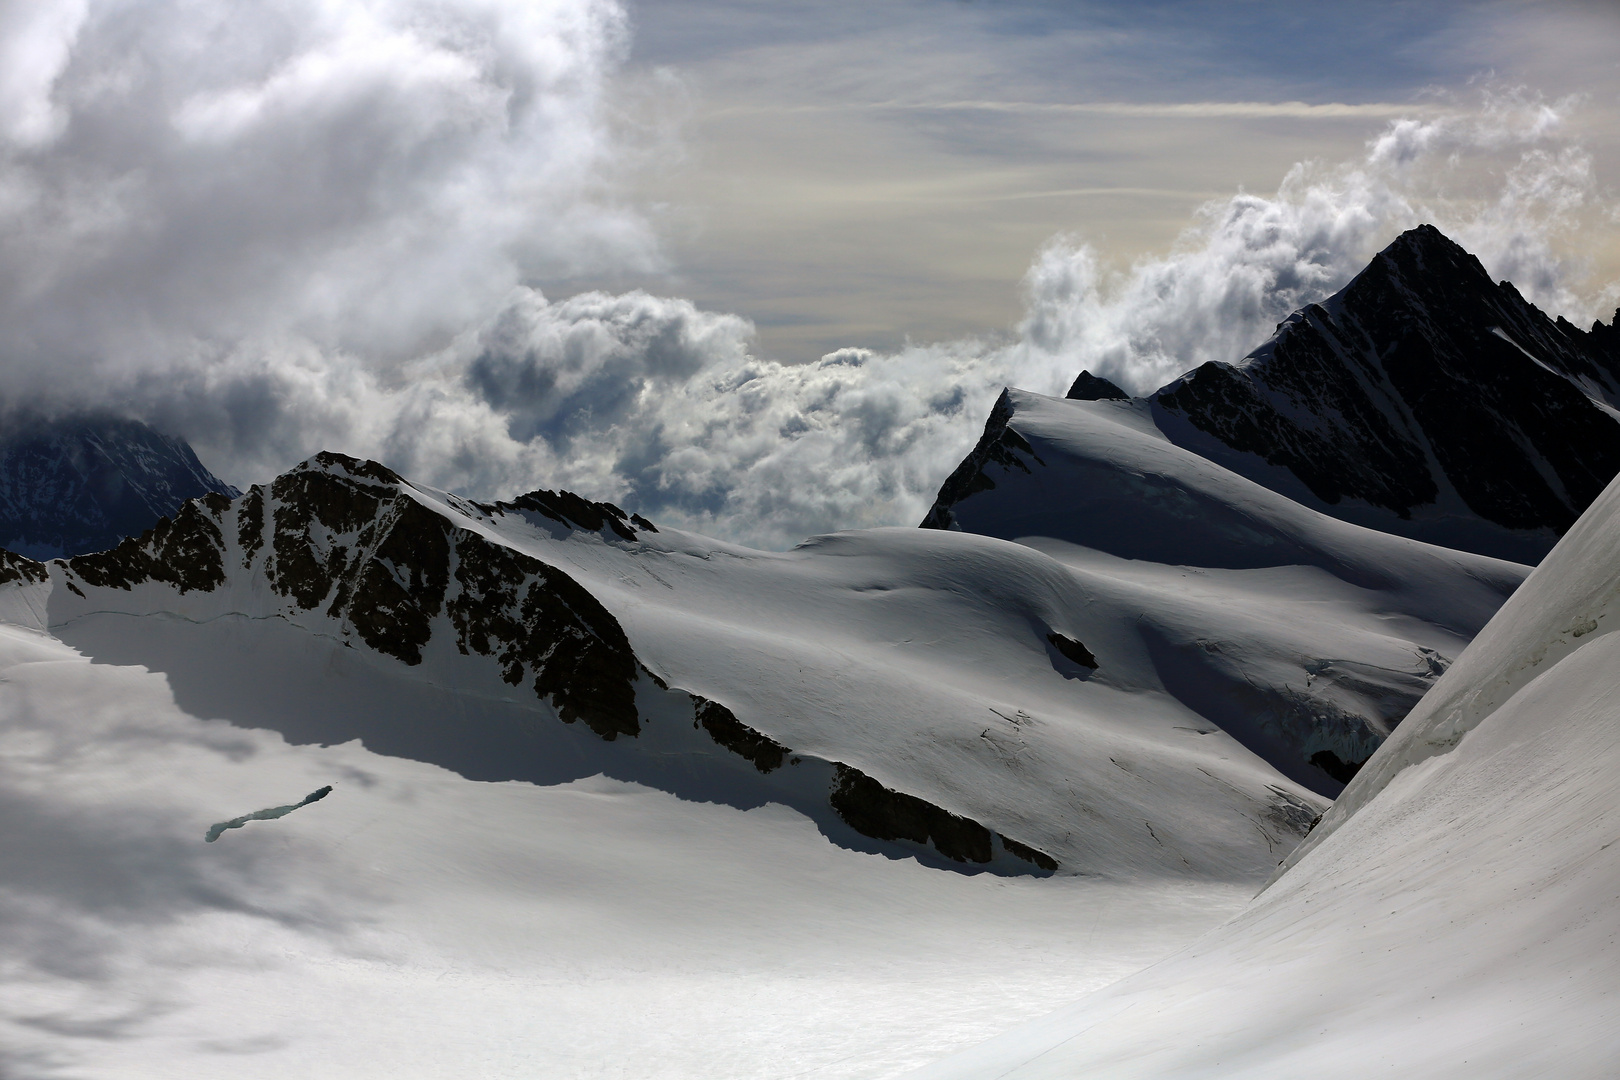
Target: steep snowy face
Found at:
1452, 917
1422, 399
83, 484
1571, 599
1306, 637
971, 702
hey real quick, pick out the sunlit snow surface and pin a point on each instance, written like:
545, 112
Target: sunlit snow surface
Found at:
414, 923
1459, 917
632, 908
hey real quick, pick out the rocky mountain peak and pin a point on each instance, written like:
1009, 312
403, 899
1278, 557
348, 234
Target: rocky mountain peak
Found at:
83, 483
1422, 398
1089, 387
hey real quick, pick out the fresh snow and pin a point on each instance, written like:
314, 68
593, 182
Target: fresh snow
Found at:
415, 923
1294, 631
1454, 914
487, 890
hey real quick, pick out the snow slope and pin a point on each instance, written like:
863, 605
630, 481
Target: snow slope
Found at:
415, 923
1457, 916
875, 681
1301, 635
634, 802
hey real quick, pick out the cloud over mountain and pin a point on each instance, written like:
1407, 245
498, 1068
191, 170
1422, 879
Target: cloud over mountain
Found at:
659, 404
309, 226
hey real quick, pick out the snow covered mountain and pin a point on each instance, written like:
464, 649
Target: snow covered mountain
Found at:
349, 776
690, 723
1422, 399
1252, 647
962, 699
84, 483
1453, 916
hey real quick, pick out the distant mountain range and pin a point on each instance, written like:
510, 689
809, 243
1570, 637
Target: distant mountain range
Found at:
83, 483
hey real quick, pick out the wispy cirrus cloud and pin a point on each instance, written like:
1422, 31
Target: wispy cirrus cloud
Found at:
1166, 109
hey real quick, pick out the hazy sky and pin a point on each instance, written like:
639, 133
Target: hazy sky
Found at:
855, 173
759, 268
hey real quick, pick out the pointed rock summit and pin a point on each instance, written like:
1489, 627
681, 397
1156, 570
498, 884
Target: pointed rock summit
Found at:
80, 484
1089, 387
1422, 398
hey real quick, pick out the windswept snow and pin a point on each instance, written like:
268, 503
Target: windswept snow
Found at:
500, 892
420, 924
1459, 920
1570, 599
1297, 633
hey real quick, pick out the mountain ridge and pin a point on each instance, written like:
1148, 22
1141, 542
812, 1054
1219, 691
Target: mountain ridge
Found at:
1422, 398
342, 539
76, 484
885, 754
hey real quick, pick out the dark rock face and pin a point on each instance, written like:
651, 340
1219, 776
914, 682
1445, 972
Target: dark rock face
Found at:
1029, 854
19, 568
185, 552
85, 483
1342, 771
1089, 387
1072, 649
1422, 383
999, 445
885, 814
346, 540
576, 512
725, 729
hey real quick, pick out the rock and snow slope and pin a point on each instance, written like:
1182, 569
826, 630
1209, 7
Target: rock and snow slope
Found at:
1422, 399
691, 722
658, 896
1305, 637
1456, 916
414, 923
963, 699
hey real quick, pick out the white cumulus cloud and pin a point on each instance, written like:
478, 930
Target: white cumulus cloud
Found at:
274, 229
367, 176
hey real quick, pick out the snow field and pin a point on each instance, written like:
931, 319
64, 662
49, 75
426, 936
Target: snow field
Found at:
418, 923
1459, 923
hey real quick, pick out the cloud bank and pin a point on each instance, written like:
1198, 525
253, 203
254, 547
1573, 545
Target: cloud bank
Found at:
310, 225
188, 175
660, 405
